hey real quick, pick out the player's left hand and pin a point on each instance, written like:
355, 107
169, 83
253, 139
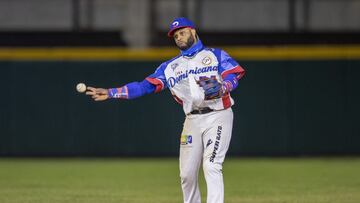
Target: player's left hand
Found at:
98, 94
212, 87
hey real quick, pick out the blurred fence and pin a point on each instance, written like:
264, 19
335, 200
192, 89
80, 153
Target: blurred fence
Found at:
139, 21
209, 15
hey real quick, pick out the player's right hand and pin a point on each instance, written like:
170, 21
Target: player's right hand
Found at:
98, 94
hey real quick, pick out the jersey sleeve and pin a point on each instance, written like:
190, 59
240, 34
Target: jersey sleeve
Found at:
152, 84
132, 90
158, 78
228, 65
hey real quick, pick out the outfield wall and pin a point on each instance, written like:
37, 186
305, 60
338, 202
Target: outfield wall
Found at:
286, 106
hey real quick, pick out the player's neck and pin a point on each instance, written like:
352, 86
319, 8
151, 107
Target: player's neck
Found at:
195, 48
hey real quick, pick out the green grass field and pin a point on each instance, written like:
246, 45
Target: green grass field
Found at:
266, 180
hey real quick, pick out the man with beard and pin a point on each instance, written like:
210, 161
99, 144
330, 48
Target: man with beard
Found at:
200, 79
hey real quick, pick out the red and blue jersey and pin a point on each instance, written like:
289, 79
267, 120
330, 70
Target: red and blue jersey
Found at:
181, 74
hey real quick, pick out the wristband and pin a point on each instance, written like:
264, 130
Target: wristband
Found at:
227, 87
118, 93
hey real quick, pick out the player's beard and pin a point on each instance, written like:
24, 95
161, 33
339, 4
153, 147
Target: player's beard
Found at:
189, 42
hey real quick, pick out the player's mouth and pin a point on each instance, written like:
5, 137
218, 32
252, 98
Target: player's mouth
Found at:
182, 44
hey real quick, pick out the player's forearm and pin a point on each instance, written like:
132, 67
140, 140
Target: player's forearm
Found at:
132, 90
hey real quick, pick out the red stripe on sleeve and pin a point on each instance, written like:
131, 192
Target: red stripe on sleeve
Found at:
158, 83
238, 70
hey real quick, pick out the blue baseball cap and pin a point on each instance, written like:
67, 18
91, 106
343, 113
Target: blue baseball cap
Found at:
178, 23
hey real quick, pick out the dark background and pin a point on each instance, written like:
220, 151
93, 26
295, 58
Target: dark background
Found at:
306, 107
283, 107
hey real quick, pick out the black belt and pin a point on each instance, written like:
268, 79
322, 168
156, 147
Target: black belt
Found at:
202, 111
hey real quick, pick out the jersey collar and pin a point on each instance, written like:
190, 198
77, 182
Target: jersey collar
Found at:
193, 50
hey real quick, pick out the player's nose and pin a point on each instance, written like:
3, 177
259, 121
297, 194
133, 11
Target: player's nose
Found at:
180, 39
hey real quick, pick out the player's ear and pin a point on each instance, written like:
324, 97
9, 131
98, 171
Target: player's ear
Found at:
193, 33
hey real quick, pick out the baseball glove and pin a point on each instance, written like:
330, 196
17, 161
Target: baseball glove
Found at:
212, 87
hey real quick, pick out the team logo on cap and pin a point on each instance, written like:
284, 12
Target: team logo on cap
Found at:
176, 23
206, 61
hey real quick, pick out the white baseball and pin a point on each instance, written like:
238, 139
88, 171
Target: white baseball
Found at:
81, 87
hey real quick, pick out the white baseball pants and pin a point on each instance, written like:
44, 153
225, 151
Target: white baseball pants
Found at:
205, 138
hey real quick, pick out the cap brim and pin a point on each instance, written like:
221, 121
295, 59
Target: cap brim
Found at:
171, 32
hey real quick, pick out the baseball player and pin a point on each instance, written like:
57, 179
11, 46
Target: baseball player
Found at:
200, 79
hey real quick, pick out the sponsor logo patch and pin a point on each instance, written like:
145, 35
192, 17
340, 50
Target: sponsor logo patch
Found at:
206, 61
185, 139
